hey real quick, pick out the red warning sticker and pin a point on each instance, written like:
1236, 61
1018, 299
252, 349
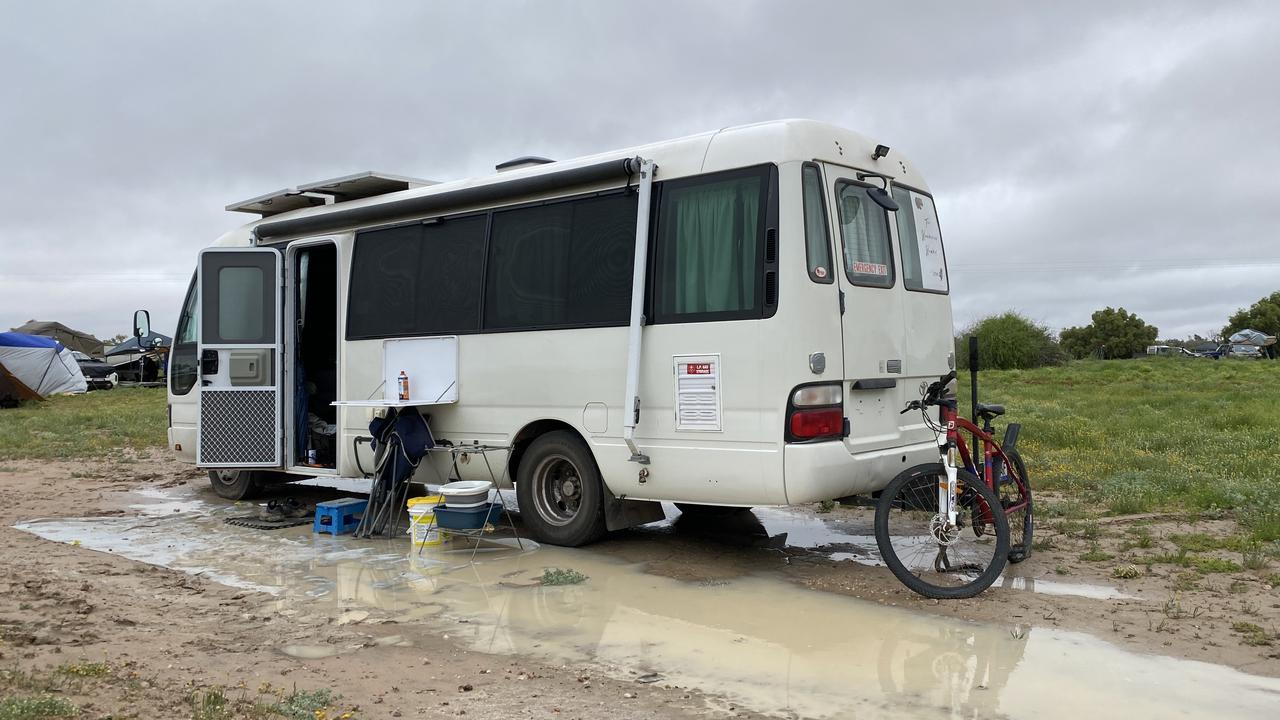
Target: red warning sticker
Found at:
697, 369
866, 268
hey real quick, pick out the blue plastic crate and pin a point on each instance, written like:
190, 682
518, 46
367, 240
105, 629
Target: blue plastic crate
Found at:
467, 518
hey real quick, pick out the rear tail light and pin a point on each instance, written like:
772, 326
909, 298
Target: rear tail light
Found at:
815, 412
816, 396
811, 424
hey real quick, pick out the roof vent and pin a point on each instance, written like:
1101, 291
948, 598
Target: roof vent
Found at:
522, 162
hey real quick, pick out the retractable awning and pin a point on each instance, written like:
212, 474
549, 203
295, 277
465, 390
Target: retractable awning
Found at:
403, 208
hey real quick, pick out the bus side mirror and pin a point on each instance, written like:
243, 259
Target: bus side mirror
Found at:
141, 324
883, 199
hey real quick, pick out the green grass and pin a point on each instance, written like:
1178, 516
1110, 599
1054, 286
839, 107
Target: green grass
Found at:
302, 704
90, 669
1251, 634
556, 576
1157, 434
35, 708
94, 424
1095, 554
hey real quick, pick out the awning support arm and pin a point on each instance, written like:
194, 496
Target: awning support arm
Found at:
631, 405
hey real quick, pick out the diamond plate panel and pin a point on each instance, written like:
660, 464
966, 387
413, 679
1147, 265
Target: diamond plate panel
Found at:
238, 426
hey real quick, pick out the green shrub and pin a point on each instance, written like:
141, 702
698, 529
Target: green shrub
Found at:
1009, 341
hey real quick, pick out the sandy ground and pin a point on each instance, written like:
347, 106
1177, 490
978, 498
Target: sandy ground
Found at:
166, 635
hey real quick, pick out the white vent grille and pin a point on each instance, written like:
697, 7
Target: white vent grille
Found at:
697, 392
238, 427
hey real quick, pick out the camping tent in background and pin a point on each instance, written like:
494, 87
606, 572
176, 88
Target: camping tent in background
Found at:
74, 339
1252, 337
32, 367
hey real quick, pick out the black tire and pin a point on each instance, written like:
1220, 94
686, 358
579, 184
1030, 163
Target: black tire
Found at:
1021, 525
560, 492
710, 511
908, 502
235, 484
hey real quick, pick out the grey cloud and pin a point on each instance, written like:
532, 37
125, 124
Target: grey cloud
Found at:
1065, 142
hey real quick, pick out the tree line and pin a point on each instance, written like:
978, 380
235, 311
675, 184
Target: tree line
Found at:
1012, 341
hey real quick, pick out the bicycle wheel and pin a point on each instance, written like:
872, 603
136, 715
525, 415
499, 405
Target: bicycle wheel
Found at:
938, 564
1021, 523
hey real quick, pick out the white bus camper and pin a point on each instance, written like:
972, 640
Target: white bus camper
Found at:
730, 319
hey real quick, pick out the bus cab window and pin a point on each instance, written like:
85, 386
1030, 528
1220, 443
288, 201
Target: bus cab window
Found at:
183, 360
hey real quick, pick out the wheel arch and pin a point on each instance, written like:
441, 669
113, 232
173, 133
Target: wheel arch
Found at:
619, 513
533, 430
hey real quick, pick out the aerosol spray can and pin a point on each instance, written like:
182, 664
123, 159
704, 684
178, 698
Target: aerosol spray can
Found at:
403, 382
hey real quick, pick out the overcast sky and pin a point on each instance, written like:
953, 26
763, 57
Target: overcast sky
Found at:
1082, 154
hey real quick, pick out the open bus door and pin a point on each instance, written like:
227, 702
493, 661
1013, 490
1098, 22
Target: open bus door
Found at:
239, 423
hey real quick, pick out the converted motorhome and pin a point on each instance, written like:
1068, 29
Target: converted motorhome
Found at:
729, 319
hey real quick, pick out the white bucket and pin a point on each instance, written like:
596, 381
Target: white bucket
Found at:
422, 526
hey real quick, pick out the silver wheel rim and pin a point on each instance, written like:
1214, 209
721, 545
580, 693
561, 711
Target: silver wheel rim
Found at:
227, 477
557, 490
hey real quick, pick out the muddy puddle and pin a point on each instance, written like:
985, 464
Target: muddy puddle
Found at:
755, 639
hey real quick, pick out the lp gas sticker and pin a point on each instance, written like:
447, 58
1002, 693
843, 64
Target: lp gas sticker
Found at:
697, 392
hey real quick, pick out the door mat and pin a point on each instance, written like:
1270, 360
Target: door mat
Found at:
257, 523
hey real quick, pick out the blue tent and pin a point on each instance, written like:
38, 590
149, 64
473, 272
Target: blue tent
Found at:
32, 367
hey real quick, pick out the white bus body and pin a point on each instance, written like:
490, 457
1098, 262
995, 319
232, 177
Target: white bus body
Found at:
769, 268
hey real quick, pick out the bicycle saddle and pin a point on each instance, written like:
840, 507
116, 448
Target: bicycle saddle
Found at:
991, 410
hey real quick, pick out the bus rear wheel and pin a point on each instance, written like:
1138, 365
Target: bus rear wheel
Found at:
234, 484
560, 492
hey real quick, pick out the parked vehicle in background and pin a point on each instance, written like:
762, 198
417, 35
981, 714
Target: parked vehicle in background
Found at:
98, 374
1209, 350
1238, 350
1170, 351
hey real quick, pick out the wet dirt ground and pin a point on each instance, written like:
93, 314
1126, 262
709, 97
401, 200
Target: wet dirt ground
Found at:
777, 612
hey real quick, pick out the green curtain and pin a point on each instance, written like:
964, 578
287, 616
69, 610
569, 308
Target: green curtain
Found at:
864, 233
714, 251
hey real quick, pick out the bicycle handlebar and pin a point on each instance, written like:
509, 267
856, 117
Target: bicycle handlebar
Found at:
932, 394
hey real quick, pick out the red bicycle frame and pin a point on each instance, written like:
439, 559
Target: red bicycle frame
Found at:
991, 449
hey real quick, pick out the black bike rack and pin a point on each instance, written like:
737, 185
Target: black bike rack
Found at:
973, 377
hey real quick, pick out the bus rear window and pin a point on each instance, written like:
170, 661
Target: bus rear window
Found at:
864, 235
924, 265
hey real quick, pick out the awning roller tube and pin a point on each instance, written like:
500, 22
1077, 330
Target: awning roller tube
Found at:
384, 212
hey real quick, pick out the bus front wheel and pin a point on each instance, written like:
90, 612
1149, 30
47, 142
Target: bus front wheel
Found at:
559, 490
234, 484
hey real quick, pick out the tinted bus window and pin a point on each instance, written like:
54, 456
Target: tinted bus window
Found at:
417, 280
563, 264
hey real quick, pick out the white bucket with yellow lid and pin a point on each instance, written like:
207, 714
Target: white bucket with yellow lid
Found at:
422, 526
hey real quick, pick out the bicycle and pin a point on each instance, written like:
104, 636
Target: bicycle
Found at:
947, 529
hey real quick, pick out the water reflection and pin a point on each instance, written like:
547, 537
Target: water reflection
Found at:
759, 641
